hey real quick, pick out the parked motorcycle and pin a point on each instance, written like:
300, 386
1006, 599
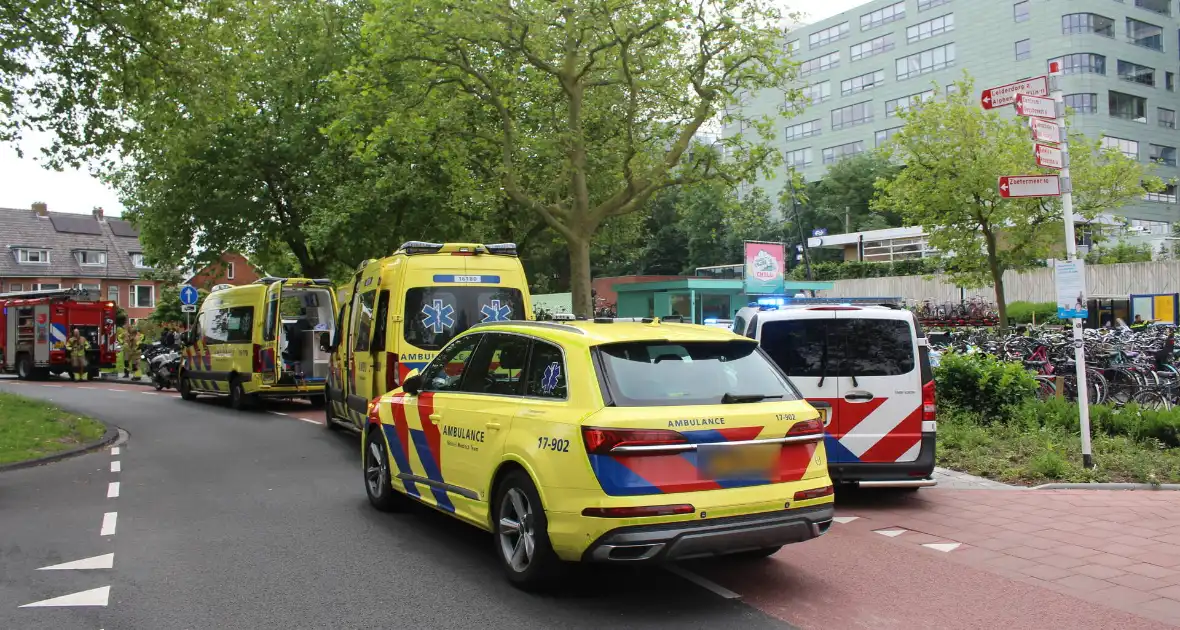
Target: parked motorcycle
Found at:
163, 366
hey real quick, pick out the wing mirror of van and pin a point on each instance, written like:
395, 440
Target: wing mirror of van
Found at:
412, 383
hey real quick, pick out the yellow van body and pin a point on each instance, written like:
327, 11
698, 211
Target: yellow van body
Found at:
399, 311
262, 340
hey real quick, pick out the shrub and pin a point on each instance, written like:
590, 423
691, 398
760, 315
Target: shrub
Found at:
1022, 312
983, 385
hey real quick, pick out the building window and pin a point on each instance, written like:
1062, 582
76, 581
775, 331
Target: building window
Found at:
1136, 73
1162, 155
1127, 107
930, 4
143, 296
1020, 11
1129, 148
32, 256
1082, 103
1166, 117
852, 115
818, 92
799, 157
882, 16
899, 105
1167, 195
113, 293
15, 287
1170, 81
1023, 49
1083, 63
87, 257
1163, 7
229, 273
837, 153
952, 89
1145, 35
48, 286
792, 47
884, 135
804, 130
866, 81
926, 61
930, 28
819, 64
95, 289
1077, 23
139, 261
874, 46
828, 35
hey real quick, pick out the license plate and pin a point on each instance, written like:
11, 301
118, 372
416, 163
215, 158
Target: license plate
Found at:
729, 462
823, 416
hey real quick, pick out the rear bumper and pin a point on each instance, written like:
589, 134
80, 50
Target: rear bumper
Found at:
701, 539
915, 474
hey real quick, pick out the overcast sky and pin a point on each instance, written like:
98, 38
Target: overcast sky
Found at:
23, 181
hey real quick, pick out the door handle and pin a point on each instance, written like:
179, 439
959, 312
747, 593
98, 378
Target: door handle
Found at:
858, 396
434, 417
495, 426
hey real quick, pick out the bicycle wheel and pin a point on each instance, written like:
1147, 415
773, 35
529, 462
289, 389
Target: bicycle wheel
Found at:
1152, 399
1046, 387
1123, 385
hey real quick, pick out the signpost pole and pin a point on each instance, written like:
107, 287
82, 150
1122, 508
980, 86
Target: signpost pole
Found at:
1071, 253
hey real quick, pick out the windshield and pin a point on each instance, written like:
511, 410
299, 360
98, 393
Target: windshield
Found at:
435, 315
661, 373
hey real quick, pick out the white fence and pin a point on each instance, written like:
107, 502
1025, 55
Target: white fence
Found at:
1031, 286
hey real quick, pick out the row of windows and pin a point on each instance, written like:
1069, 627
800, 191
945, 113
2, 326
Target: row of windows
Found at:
1090, 63
1158, 153
1125, 106
883, 15
874, 46
819, 64
804, 130
898, 105
142, 295
34, 256
828, 35
930, 28
861, 83
852, 115
499, 364
913, 65
930, 4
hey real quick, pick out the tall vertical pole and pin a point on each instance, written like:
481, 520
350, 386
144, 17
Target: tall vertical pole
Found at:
1071, 253
799, 224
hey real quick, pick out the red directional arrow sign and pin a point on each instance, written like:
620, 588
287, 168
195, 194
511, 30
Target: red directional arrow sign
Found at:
1004, 95
1028, 105
1050, 157
1029, 186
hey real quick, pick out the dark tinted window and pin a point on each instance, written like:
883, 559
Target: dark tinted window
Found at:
435, 315
655, 374
445, 372
497, 365
840, 347
546, 374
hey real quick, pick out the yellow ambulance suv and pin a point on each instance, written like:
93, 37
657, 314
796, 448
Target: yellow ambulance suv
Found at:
603, 441
399, 311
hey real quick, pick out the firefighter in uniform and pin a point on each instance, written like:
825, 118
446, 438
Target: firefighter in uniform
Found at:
129, 340
77, 346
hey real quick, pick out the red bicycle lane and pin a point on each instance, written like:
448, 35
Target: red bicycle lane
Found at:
874, 571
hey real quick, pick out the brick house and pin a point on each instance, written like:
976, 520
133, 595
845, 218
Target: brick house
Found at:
42, 250
231, 268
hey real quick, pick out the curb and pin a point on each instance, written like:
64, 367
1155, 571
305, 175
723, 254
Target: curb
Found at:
1107, 486
112, 434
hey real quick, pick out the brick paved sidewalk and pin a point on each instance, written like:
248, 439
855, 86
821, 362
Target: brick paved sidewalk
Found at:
1114, 548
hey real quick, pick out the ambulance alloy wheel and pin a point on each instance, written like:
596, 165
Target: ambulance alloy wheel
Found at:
378, 484
522, 534
237, 396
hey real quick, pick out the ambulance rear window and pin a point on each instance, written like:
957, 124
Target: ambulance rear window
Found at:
435, 315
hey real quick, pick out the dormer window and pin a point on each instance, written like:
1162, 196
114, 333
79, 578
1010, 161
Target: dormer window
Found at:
91, 257
26, 256
138, 260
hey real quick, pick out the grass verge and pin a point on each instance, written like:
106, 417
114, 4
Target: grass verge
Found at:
1023, 455
32, 428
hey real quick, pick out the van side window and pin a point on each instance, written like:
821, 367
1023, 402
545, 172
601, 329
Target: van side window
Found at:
269, 324
379, 324
239, 324
364, 320
752, 332
546, 376
739, 324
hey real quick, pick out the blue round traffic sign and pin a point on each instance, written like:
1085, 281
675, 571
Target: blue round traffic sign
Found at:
188, 294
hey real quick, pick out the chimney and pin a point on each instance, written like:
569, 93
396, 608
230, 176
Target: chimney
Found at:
97, 214
41, 208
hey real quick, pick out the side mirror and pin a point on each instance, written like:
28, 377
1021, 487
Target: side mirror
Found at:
412, 384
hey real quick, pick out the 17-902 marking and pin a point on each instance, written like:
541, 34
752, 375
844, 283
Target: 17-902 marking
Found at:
553, 444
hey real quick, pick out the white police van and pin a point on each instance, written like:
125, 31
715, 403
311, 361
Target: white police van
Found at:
864, 363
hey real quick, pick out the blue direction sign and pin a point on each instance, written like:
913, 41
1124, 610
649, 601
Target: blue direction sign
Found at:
188, 295
817, 232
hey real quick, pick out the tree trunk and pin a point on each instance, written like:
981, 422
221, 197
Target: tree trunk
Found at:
993, 263
581, 299
308, 266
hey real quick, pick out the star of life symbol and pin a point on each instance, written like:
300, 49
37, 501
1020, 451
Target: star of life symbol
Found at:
549, 378
494, 312
439, 316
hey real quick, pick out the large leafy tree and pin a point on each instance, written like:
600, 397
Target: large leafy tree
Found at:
589, 108
954, 153
842, 200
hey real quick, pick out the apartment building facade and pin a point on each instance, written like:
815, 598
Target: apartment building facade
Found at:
861, 68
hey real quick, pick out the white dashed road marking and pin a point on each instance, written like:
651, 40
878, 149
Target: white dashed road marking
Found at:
108, 523
278, 413
113, 490
943, 547
892, 533
93, 597
97, 562
702, 582
115, 450
116, 466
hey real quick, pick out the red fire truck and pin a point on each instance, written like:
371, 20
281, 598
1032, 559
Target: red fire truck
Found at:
34, 327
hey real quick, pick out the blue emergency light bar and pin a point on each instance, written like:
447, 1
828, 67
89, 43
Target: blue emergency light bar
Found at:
779, 301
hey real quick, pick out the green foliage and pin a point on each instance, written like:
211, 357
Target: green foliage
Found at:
1022, 312
1121, 252
33, 428
168, 305
954, 153
843, 198
983, 385
827, 271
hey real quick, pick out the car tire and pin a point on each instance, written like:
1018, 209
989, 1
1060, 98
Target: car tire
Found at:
24, 368
756, 554
518, 523
378, 475
238, 400
186, 389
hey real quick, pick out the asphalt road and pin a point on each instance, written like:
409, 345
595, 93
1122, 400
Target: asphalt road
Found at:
258, 520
